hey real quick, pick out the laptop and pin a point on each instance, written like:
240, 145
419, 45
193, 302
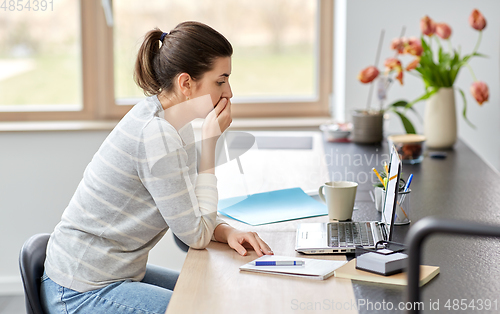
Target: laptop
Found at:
343, 237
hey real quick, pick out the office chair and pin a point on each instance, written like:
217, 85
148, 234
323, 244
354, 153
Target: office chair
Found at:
183, 246
429, 226
31, 260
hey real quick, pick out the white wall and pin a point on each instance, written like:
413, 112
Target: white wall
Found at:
357, 49
39, 172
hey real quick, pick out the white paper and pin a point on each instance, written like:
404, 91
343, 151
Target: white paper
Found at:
313, 268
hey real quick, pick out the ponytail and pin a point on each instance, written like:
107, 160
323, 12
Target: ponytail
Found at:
144, 73
191, 47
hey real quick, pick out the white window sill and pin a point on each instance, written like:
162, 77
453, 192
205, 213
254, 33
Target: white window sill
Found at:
238, 124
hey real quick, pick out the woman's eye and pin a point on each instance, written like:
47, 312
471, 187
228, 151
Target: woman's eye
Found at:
220, 83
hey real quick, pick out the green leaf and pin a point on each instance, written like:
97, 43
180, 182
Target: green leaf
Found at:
480, 55
425, 96
401, 104
464, 112
406, 123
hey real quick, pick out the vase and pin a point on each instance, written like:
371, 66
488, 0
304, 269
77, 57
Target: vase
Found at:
440, 121
367, 127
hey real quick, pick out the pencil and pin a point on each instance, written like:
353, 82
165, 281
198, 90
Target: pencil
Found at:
379, 177
401, 207
386, 169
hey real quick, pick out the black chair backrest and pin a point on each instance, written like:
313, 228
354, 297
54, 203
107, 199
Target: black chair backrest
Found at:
183, 246
31, 260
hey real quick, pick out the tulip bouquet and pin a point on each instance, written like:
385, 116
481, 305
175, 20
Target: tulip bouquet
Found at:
394, 72
435, 69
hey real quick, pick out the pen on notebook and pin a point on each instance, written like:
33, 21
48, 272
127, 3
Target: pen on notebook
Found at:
278, 263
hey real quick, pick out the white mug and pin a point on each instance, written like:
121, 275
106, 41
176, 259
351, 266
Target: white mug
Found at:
339, 197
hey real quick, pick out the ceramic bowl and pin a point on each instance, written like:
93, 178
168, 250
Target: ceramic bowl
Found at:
336, 132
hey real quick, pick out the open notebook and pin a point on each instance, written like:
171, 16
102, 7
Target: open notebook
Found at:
313, 268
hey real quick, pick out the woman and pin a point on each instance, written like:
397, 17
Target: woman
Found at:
143, 180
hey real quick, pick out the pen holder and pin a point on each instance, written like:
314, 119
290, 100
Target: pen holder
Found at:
402, 208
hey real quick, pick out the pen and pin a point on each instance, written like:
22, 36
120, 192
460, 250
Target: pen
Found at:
407, 186
278, 263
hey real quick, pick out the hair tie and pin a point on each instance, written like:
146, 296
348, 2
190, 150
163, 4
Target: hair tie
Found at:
163, 36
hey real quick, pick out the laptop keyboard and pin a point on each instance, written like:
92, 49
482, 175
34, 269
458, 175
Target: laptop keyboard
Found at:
350, 234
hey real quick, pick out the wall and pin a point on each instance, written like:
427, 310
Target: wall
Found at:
358, 25
39, 172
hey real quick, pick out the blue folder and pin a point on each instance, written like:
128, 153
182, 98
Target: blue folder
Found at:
269, 207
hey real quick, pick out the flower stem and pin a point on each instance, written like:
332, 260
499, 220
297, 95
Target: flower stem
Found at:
414, 74
478, 42
438, 41
471, 72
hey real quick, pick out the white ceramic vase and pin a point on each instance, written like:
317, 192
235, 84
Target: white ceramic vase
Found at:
440, 121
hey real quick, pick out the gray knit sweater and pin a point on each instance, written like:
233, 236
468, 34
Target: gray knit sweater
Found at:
141, 181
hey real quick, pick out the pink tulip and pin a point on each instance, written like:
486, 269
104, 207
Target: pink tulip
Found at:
398, 44
399, 77
477, 20
392, 63
427, 26
443, 30
413, 46
413, 64
367, 75
480, 92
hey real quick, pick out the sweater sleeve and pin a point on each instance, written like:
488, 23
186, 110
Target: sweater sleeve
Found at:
189, 208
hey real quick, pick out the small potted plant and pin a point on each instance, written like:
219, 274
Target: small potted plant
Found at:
379, 188
368, 123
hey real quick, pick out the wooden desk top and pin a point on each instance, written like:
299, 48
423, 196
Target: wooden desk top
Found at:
210, 280
461, 186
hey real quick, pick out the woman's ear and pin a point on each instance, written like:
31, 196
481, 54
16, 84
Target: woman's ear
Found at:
185, 84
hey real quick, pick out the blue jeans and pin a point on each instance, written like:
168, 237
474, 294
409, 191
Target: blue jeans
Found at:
151, 295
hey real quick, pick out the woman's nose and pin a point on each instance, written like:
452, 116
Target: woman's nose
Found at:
228, 93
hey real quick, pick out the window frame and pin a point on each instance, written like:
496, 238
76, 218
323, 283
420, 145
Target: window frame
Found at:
98, 99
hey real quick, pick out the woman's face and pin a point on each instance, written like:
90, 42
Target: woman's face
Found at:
214, 83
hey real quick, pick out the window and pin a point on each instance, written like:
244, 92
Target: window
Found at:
87, 73
278, 46
40, 61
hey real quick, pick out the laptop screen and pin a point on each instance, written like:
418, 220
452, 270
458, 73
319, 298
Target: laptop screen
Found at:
391, 191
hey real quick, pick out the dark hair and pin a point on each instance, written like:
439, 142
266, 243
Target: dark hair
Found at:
191, 47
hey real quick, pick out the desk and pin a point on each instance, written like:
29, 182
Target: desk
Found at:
461, 187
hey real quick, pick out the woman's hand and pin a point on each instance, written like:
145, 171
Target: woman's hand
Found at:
240, 240
218, 120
